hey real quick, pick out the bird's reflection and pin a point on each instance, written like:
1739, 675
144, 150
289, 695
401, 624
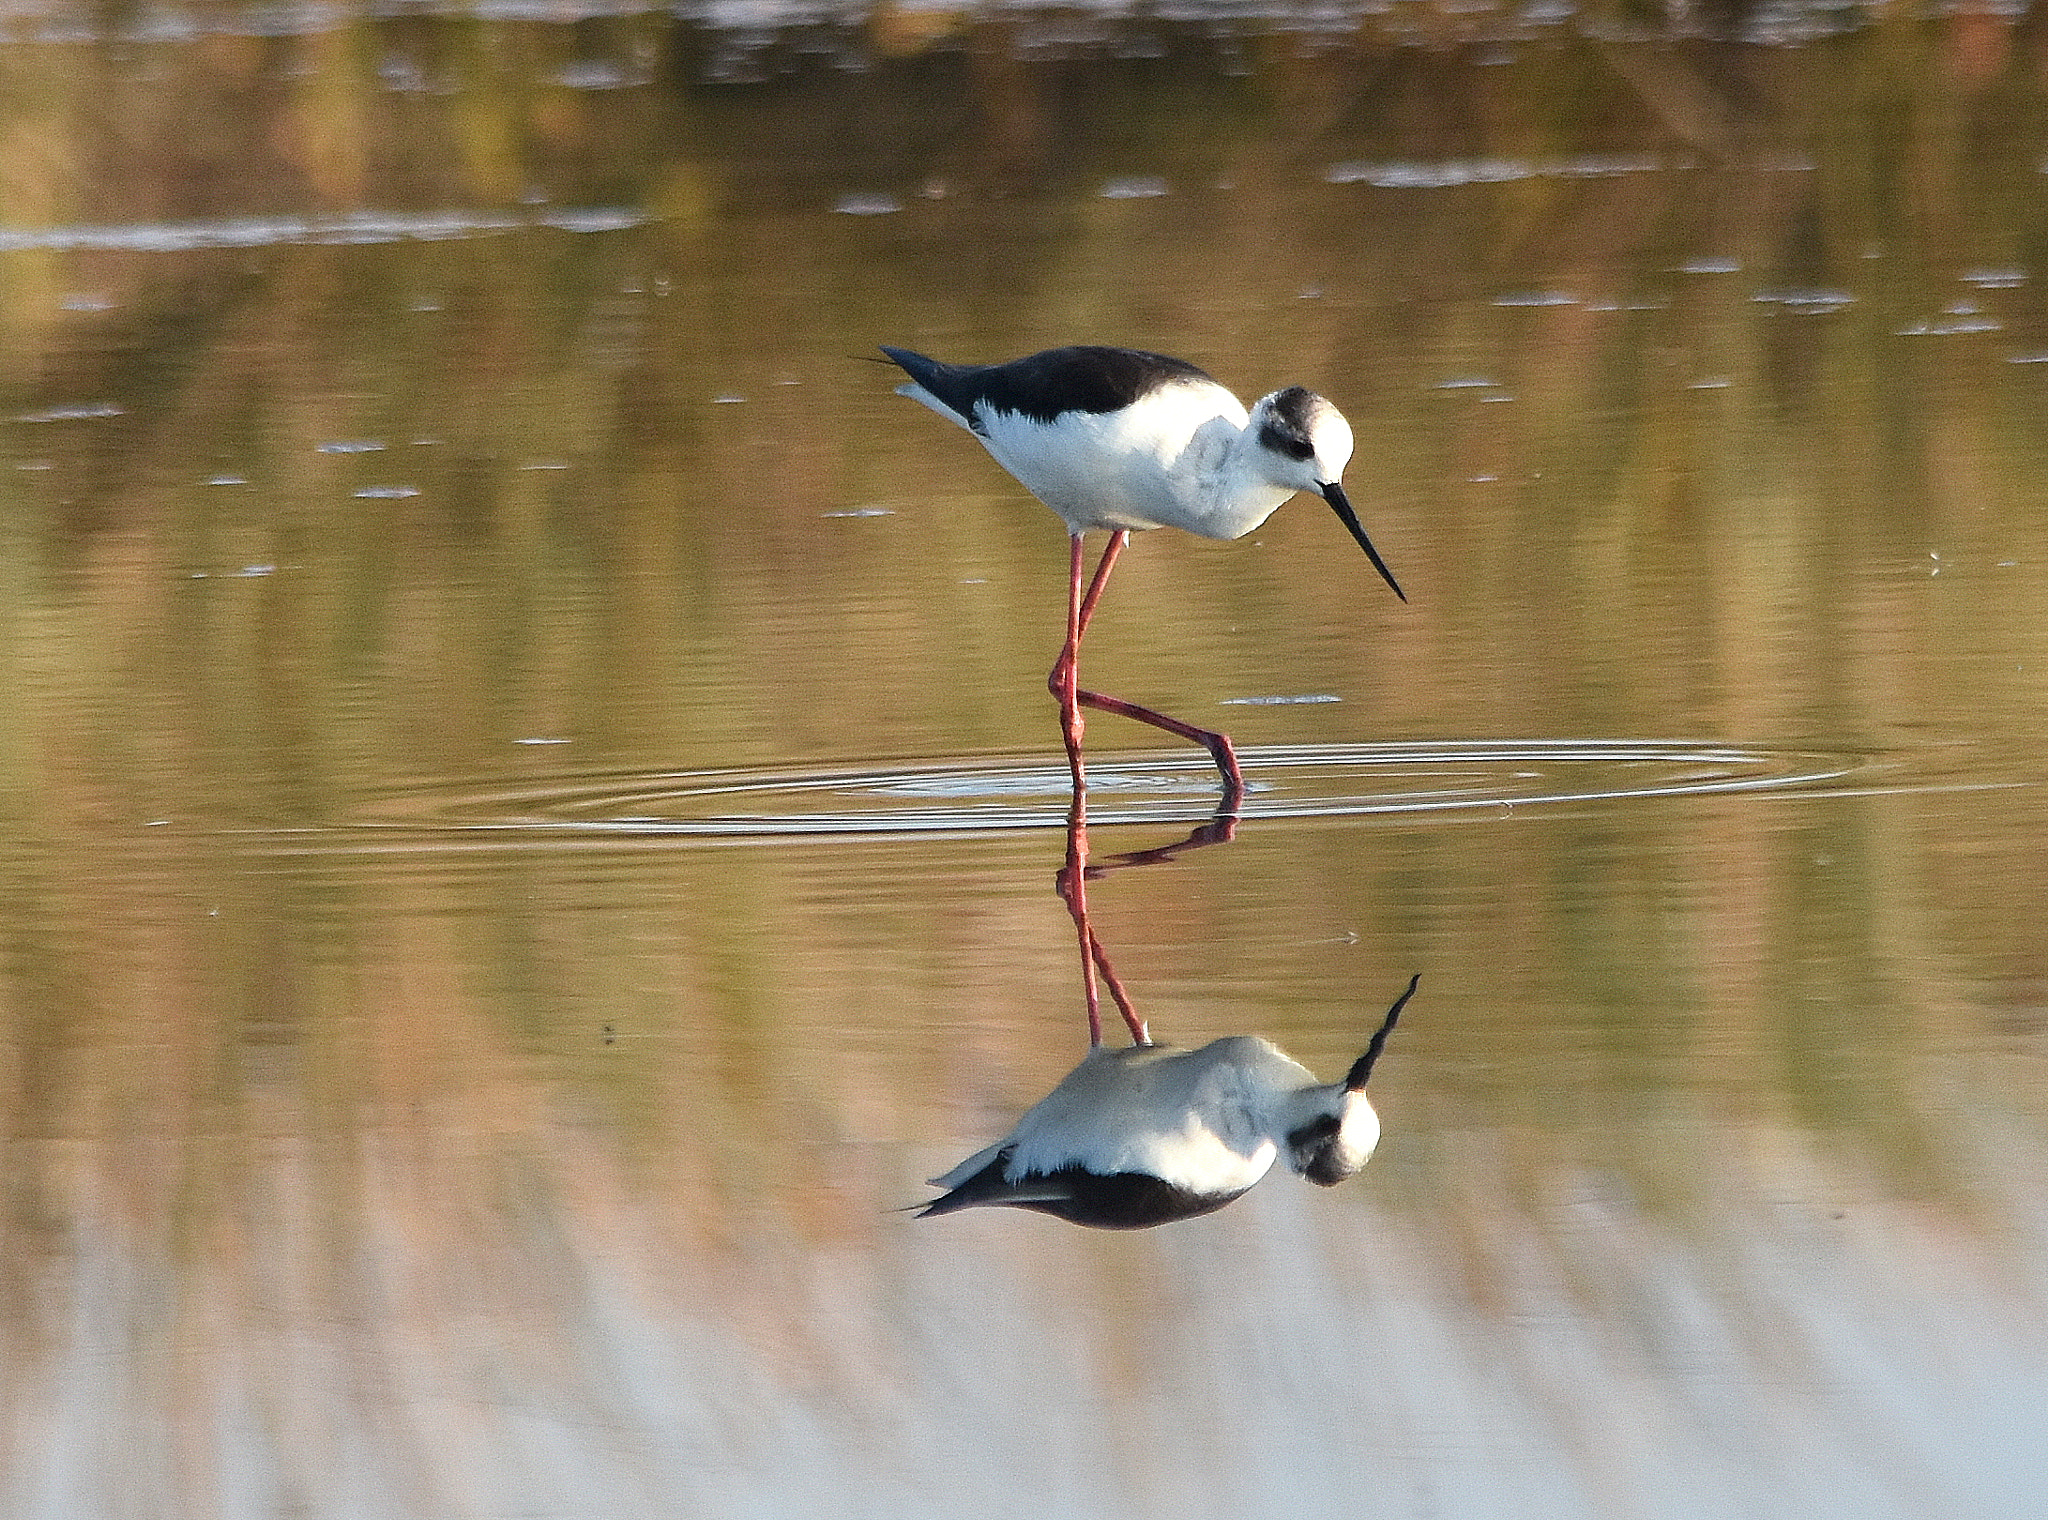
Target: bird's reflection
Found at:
1145, 1134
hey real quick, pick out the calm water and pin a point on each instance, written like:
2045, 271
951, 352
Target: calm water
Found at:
530, 803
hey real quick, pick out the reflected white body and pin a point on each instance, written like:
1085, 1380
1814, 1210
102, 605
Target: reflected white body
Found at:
1203, 1124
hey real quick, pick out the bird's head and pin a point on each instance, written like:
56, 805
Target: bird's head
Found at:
1307, 439
1304, 444
1336, 1141
1335, 1131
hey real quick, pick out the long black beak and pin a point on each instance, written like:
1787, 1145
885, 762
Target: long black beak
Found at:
1354, 1080
1334, 495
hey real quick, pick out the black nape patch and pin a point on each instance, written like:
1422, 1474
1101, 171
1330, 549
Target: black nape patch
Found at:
1296, 406
1313, 1148
1286, 429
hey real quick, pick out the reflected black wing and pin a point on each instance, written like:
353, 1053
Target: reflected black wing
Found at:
1117, 1201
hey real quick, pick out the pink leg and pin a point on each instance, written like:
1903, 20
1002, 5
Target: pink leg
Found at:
1064, 681
1110, 552
1217, 744
1073, 888
1219, 830
1140, 1034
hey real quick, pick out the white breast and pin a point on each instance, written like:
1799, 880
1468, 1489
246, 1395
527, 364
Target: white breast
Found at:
1165, 462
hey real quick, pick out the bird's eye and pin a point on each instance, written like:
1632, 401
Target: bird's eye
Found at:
1328, 1167
1282, 441
1318, 1131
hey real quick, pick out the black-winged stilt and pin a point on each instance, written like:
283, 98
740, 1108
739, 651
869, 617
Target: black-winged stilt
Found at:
1122, 440
1145, 1134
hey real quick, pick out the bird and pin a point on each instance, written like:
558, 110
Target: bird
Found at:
1144, 1135
1122, 440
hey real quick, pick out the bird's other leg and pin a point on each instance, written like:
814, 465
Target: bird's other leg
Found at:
1115, 547
1217, 744
1221, 829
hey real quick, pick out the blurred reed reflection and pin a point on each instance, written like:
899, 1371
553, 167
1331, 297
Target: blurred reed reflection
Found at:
1693, 1122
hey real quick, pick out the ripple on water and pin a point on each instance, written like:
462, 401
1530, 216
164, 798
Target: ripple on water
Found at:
990, 794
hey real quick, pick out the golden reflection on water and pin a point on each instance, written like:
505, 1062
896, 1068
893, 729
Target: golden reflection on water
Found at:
1699, 399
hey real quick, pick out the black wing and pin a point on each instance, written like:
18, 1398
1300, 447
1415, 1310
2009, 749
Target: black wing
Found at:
1044, 386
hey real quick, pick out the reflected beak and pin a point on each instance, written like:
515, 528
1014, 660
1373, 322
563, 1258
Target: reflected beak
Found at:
1334, 495
1361, 1069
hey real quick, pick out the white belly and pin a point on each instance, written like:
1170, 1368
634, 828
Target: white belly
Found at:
1162, 464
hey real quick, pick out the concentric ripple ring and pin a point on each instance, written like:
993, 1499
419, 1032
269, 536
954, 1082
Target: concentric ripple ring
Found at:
983, 794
